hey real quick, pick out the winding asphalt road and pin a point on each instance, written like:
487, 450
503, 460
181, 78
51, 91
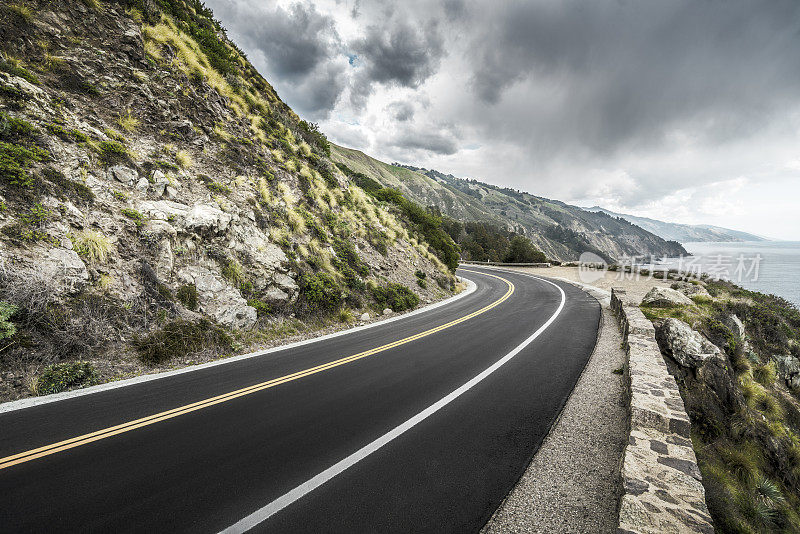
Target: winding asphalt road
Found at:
420, 425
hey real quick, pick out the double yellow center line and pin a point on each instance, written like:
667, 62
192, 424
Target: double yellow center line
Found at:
71, 443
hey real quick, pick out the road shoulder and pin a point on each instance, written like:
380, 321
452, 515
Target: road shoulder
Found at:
573, 483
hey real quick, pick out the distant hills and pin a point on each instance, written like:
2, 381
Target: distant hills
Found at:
561, 231
683, 233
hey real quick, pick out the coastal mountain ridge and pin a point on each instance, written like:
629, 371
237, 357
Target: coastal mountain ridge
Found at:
684, 233
563, 232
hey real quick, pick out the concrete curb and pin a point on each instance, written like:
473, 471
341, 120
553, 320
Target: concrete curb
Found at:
37, 401
662, 485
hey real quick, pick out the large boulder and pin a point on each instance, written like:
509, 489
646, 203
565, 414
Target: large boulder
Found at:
204, 218
165, 210
63, 267
690, 290
266, 261
217, 299
687, 347
123, 174
664, 297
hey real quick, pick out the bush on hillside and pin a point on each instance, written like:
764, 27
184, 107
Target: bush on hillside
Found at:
179, 338
395, 296
521, 250
320, 292
63, 376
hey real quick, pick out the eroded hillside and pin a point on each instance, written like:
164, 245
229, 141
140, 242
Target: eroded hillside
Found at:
158, 199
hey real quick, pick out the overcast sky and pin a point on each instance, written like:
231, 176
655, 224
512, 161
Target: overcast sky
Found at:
681, 110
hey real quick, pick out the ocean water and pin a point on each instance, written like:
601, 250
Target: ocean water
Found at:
765, 266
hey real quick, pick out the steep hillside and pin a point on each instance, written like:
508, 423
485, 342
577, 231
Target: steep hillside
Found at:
157, 199
684, 233
561, 231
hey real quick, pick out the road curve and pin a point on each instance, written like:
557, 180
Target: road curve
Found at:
423, 424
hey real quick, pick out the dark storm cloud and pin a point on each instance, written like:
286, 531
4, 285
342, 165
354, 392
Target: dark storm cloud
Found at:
296, 48
441, 142
604, 76
396, 53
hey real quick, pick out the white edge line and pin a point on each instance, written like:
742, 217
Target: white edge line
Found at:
603, 295
38, 401
306, 487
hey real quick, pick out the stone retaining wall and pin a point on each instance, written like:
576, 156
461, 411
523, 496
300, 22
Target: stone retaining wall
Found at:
662, 484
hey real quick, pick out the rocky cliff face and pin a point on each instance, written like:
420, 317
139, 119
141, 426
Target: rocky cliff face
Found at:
561, 231
146, 166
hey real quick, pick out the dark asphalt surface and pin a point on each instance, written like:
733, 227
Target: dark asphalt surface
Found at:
206, 470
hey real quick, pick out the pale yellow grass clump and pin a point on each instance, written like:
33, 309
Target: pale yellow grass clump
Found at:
128, 122
92, 245
277, 155
184, 159
278, 234
286, 195
290, 165
263, 190
153, 49
222, 133
295, 221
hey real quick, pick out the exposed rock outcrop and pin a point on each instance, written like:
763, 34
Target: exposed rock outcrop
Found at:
687, 347
217, 299
662, 297
691, 290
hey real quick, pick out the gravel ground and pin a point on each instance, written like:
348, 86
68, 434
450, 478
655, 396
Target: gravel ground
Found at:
573, 483
635, 285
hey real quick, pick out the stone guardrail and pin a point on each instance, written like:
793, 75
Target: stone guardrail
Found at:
500, 264
662, 488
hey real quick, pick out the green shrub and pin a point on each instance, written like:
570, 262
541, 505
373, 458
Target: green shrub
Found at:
262, 308
395, 296
346, 255
422, 283
33, 222
180, 338
720, 335
7, 328
69, 188
521, 250
420, 274
320, 292
62, 376
15, 69
135, 216
218, 188
187, 295
15, 160
112, 152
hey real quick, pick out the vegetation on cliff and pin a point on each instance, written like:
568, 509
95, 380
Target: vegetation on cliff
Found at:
745, 410
153, 183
